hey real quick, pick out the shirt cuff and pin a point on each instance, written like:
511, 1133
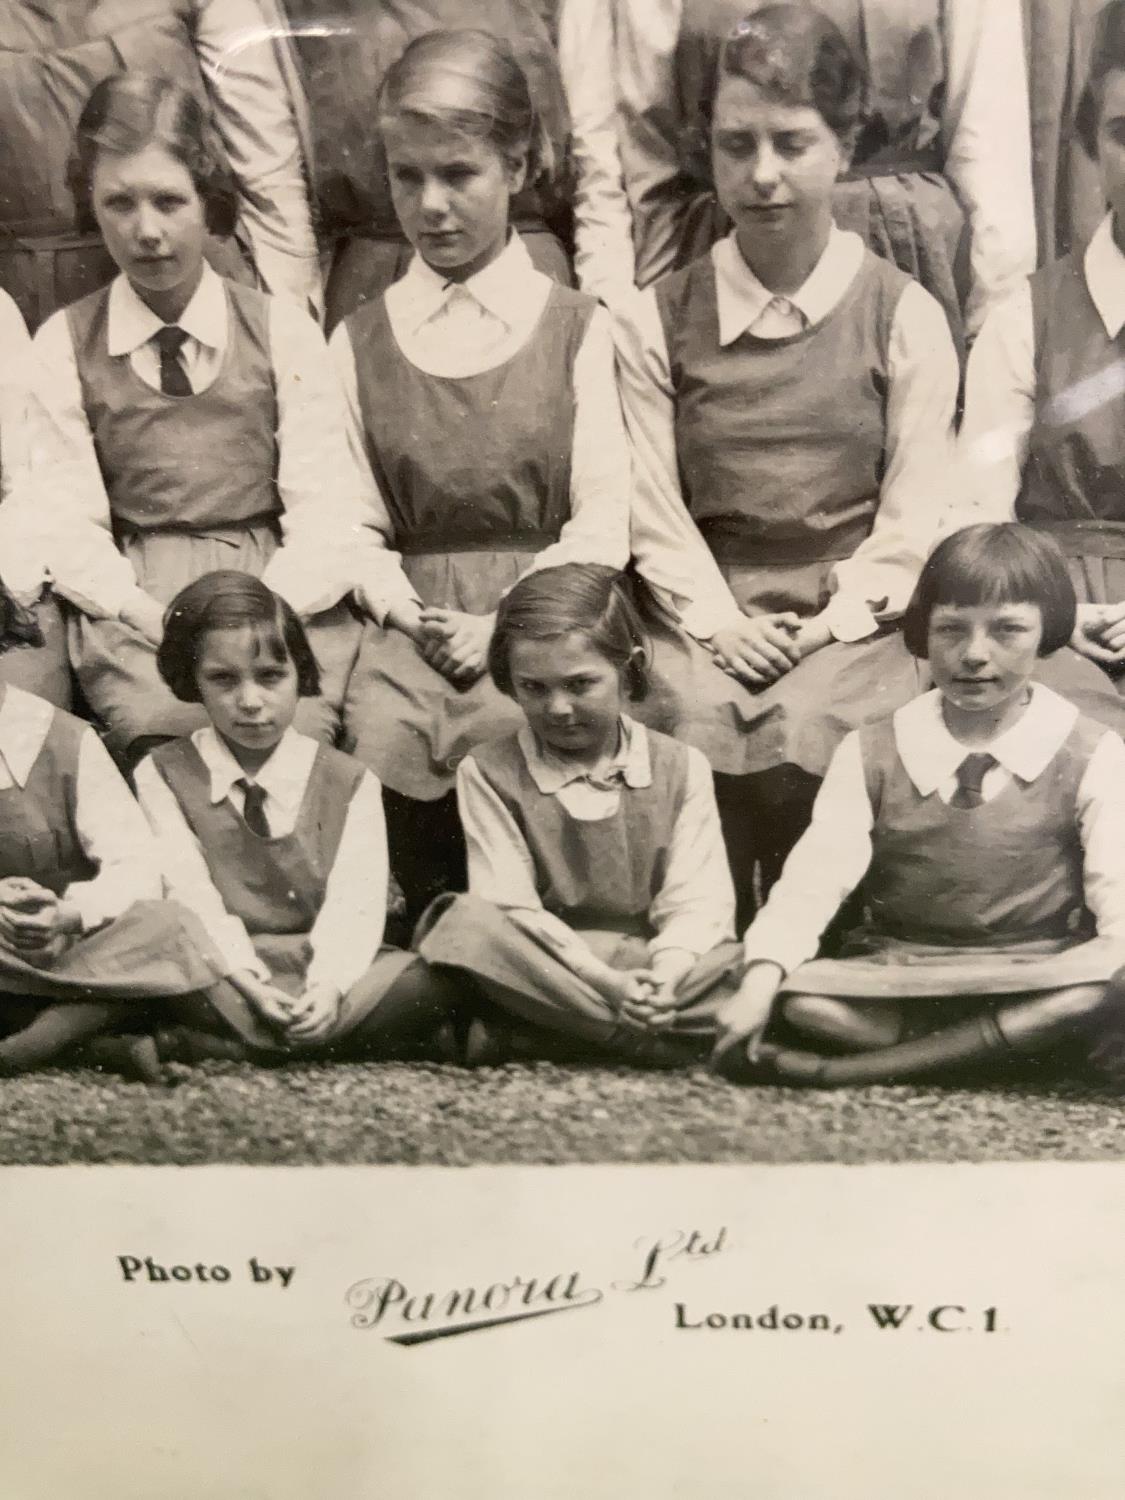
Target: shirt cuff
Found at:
849, 618
692, 935
703, 620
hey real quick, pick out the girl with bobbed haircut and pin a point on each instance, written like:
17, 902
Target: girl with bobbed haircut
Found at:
227, 600
994, 564
581, 597
482, 91
132, 111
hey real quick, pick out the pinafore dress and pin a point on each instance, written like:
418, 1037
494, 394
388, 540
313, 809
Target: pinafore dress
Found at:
192, 487
475, 472
276, 886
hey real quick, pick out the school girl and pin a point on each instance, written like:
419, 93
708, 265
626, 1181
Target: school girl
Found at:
483, 400
789, 396
986, 823
944, 137
85, 940
1044, 433
52, 57
600, 909
181, 423
277, 844
337, 54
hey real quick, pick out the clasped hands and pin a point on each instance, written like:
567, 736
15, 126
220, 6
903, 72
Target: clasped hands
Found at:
35, 924
453, 642
647, 997
299, 1020
758, 649
1100, 633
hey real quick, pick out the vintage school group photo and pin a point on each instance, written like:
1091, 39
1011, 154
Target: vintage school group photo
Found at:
562, 533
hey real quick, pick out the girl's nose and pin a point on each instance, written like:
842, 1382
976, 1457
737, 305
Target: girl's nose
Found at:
147, 225
435, 199
766, 169
976, 647
558, 706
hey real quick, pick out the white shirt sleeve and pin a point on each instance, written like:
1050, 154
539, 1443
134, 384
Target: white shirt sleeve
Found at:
694, 908
69, 525
987, 136
603, 229
254, 116
381, 583
669, 551
186, 874
349, 926
923, 378
999, 414
323, 522
1101, 822
501, 871
15, 351
113, 833
597, 530
826, 865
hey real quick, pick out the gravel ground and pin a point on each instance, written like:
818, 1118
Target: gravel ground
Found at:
427, 1113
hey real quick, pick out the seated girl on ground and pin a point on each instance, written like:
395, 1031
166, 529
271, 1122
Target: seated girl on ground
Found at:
986, 822
600, 907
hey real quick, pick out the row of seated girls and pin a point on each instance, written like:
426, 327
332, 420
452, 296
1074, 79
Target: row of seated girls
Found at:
406, 548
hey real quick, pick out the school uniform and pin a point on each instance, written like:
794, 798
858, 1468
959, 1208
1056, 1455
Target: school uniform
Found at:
300, 905
68, 822
51, 58
566, 864
1023, 892
790, 453
139, 490
946, 125
487, 417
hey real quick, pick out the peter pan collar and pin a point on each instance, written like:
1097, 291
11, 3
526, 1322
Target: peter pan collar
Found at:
509, 288
550, 773
742, 298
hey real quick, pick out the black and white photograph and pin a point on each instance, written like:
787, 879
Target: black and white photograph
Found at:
562, 684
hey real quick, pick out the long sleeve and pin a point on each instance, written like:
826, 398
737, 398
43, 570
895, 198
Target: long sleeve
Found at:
324, 528
923, 379
382, 582
827, 863
603, 227
669, 551
694, 908
501, 871
254, 116
597, 530
999, 413
1101, 822
987, 132
114, 834
349, 926
69, 525
15, 346
186, 876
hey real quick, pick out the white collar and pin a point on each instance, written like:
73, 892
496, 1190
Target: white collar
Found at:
1105, 276
742, 298
509, 288
284, 777
931, 755
550, 773
24, 722
131, 322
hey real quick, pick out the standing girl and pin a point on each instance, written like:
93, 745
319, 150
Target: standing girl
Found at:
789, 397
600, 906
276, 843
985, 820
182, 423
85, 940
483, 400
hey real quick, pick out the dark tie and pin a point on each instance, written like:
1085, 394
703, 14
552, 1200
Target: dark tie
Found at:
970, 778
173, 376
254, 807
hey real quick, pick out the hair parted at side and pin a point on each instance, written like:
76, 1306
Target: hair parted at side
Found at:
470, 81
794, 53
994, 564
1107, 54
229, 600
585, 597
131, 111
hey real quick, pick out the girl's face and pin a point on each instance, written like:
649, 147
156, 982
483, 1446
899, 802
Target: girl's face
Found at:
775, 166
451, 192
982, 657
1111, 146
249, 697
571, 695
153, 223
